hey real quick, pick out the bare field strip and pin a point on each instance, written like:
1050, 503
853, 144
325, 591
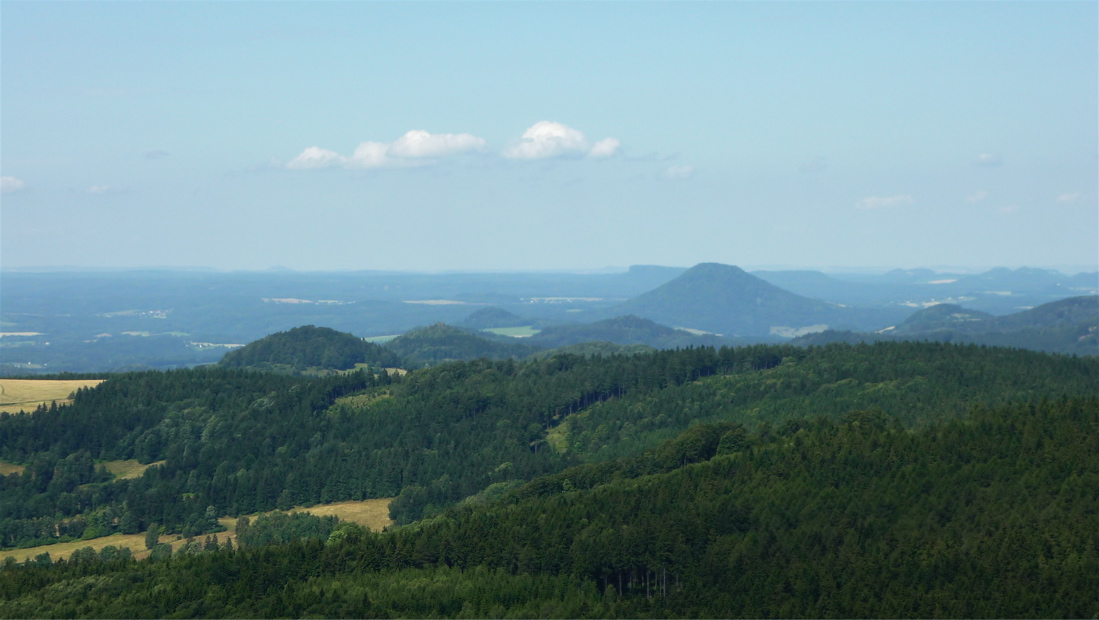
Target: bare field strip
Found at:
125, 470
26, 394
135, 543
10, 468
371, 513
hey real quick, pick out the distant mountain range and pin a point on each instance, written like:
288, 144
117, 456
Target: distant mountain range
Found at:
999, 291
1068, 326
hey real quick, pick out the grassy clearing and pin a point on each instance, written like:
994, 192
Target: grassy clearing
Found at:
371, 513
558, 437
125, 470
525, 331
10, 468
360, 401
26, 394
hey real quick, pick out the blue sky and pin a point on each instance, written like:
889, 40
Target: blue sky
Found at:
525, 135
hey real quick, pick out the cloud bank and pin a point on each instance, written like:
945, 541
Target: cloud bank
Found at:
10, 185
410, 149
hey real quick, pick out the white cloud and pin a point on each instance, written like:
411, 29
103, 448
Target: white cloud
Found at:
419, 143
548, 139
1067, 198
977, 196
316, 157
678, 172
989, 159
880, 202
99, 190
414, 145
369, 155
606, 147
10, 185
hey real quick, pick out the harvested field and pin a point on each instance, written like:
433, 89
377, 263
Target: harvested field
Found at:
10, 468
26, 394
135, 543
371, 513
125, 470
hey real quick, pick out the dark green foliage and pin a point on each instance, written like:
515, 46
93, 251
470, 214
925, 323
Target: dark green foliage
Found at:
991, 516
281, 528
309, 347
442, 343
592, 349
913, 382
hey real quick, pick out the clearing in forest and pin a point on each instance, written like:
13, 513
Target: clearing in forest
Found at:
10, 468
26, 394
125, 470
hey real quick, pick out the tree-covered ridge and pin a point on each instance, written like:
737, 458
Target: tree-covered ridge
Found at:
442, 343
624, 330
989, 516
308, 347
914, 383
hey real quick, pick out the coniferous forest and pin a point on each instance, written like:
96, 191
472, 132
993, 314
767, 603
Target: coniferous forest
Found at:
880, 480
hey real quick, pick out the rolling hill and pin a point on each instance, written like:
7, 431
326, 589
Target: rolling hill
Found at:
309, 348
443, 343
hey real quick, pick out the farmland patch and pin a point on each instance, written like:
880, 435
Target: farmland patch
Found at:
26, 394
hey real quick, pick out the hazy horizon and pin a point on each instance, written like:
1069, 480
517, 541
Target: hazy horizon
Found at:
548, 137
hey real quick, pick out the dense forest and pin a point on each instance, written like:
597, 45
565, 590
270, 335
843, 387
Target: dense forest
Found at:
990, 516
868, 480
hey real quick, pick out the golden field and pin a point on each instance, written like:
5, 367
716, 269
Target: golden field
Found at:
26, 394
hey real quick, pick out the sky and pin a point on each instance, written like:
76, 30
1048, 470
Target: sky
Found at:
548, 136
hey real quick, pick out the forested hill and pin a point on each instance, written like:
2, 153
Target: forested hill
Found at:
990, 516
440, 342
309, 348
